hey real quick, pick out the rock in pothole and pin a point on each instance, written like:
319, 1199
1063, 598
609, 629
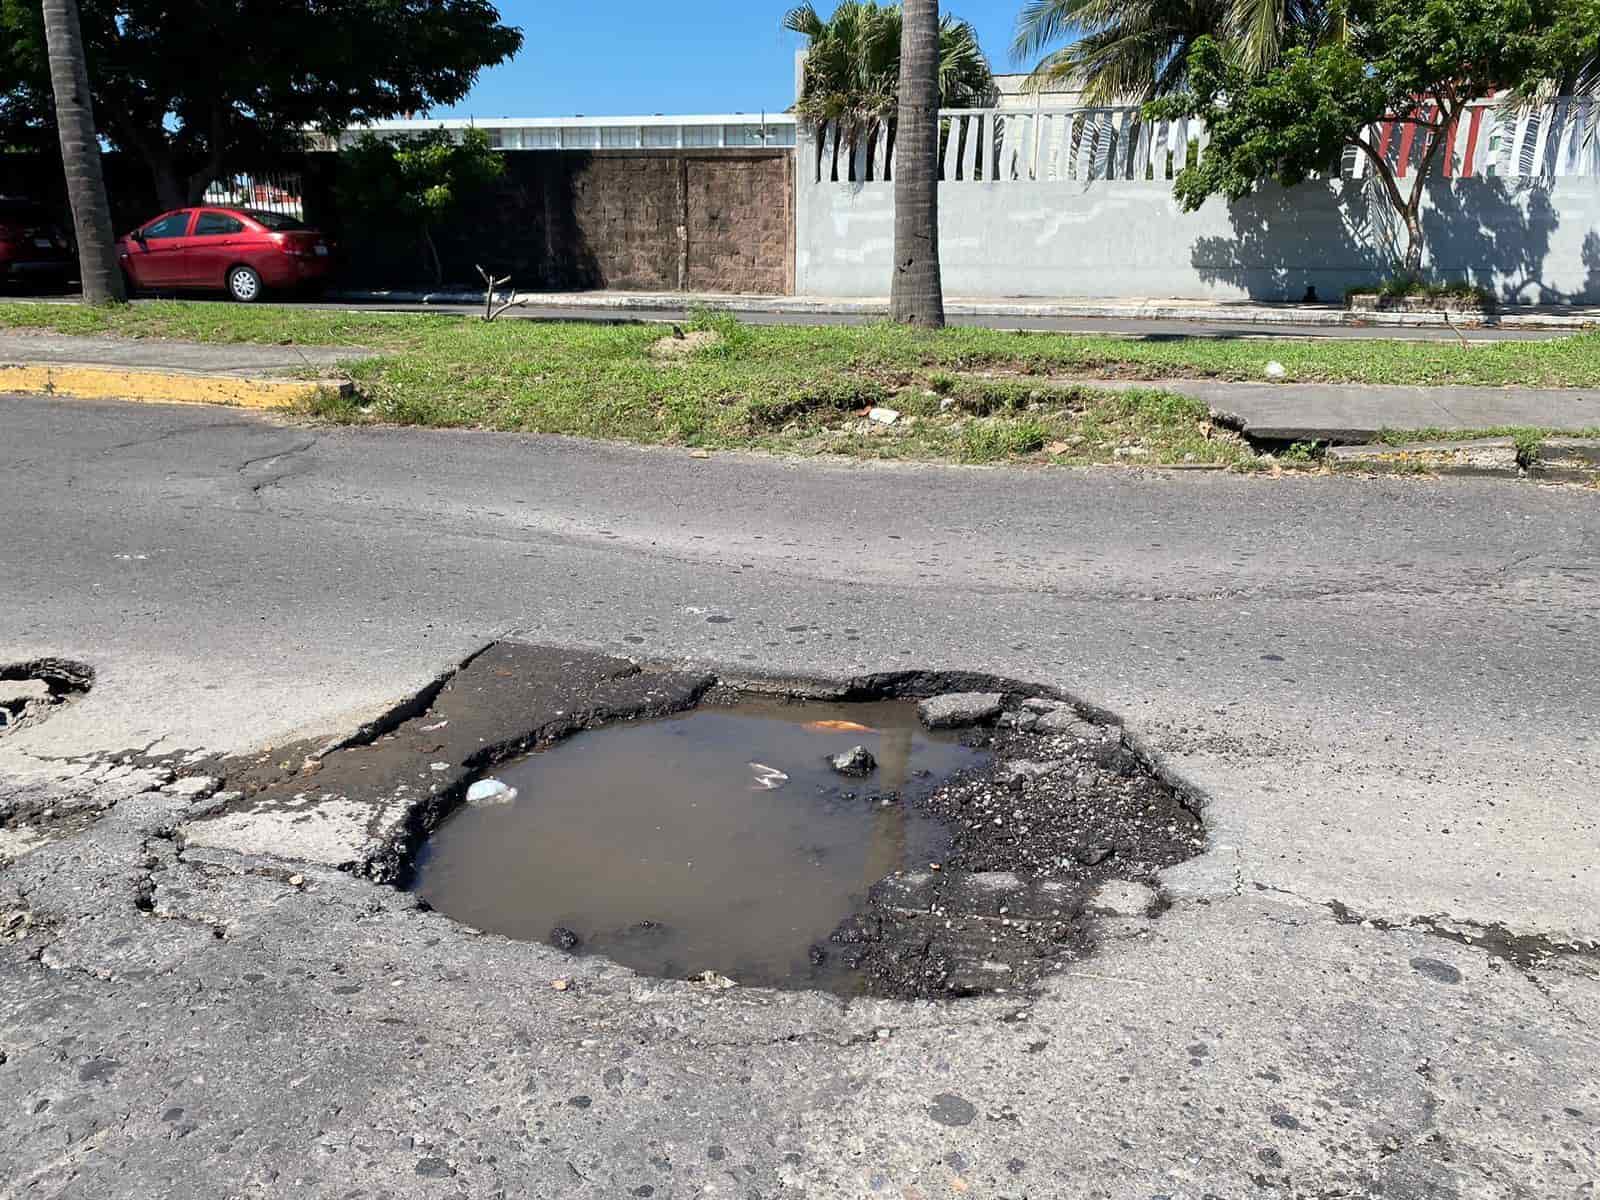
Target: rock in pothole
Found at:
856, 761
957, 710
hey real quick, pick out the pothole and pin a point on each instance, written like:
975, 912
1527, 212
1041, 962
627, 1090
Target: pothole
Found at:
685, 827
723, 839
31, 692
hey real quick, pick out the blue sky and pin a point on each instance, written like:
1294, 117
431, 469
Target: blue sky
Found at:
641, 56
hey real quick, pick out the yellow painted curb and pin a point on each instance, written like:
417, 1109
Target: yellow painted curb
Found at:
160, 387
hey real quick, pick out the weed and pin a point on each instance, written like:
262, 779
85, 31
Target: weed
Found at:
991, 441
1530, 447
1303, 453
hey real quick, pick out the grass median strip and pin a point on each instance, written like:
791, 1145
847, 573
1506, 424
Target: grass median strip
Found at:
965, 395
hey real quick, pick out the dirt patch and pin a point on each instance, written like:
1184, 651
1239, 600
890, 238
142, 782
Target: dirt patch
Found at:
678, 346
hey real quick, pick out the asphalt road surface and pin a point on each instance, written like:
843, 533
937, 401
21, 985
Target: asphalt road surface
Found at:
1380, 980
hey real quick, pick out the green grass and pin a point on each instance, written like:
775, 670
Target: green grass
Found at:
967, 395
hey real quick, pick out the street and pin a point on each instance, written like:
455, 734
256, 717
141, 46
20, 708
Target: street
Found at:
1381, 978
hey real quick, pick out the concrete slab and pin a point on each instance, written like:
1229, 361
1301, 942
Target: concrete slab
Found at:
1356, 413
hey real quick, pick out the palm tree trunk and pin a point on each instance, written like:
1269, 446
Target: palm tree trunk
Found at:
916, 295
80, 155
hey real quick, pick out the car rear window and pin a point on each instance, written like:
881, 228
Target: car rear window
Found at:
276, 222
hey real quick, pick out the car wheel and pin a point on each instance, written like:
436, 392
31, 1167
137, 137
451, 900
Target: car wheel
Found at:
244, 285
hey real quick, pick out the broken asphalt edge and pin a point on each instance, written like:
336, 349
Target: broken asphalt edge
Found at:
143, 386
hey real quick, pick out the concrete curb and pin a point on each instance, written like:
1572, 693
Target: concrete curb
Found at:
86, 382
1153, 310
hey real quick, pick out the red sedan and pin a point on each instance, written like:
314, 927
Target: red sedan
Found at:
242, 251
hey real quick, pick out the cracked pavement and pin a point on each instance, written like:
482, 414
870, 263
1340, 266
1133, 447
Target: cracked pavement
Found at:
1380, 980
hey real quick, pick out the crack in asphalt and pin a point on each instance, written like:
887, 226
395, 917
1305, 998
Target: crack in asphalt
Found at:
279, 456
1527, 954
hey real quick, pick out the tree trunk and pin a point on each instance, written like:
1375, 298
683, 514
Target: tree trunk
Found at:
916, 294
80, 153
433, 256
1413, 259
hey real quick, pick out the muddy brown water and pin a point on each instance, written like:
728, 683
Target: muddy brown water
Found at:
659, 845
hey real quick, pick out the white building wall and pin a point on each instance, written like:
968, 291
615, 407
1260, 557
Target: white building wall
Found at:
1528, 239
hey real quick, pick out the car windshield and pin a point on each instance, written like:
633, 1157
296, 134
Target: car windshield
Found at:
276, 222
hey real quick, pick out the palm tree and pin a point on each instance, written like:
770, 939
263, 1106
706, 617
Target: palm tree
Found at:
1118, 51
916, 293
851, 77
1129, 51
80, 154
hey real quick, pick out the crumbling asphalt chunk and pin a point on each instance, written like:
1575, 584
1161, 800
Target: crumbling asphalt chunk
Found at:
1062, 829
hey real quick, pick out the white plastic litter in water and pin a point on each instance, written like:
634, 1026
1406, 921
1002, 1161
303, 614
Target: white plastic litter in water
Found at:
768, 778
490, 791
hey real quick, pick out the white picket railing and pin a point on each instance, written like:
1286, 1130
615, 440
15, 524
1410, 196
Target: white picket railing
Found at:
1088, 144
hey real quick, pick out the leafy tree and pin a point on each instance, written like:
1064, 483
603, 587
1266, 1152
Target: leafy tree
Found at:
419, 180
916, 293
1419, 62
80, 153
195, 88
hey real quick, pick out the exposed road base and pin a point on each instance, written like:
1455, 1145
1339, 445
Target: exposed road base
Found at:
1554, 460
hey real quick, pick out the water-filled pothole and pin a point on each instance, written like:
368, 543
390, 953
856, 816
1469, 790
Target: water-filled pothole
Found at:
721, 839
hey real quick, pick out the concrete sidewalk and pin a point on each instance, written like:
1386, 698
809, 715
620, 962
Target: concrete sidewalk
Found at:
210, 358
1327, 412
1552, 317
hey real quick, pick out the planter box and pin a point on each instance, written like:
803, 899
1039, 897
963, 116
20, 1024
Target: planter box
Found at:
1470, 306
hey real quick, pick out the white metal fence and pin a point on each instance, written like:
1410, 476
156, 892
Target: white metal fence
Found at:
1088, 144
276, 192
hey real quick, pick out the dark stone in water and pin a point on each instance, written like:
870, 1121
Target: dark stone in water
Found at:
856, 761
563, 938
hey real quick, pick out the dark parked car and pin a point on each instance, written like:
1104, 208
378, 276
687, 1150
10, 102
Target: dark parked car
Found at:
33, 249
242, 251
